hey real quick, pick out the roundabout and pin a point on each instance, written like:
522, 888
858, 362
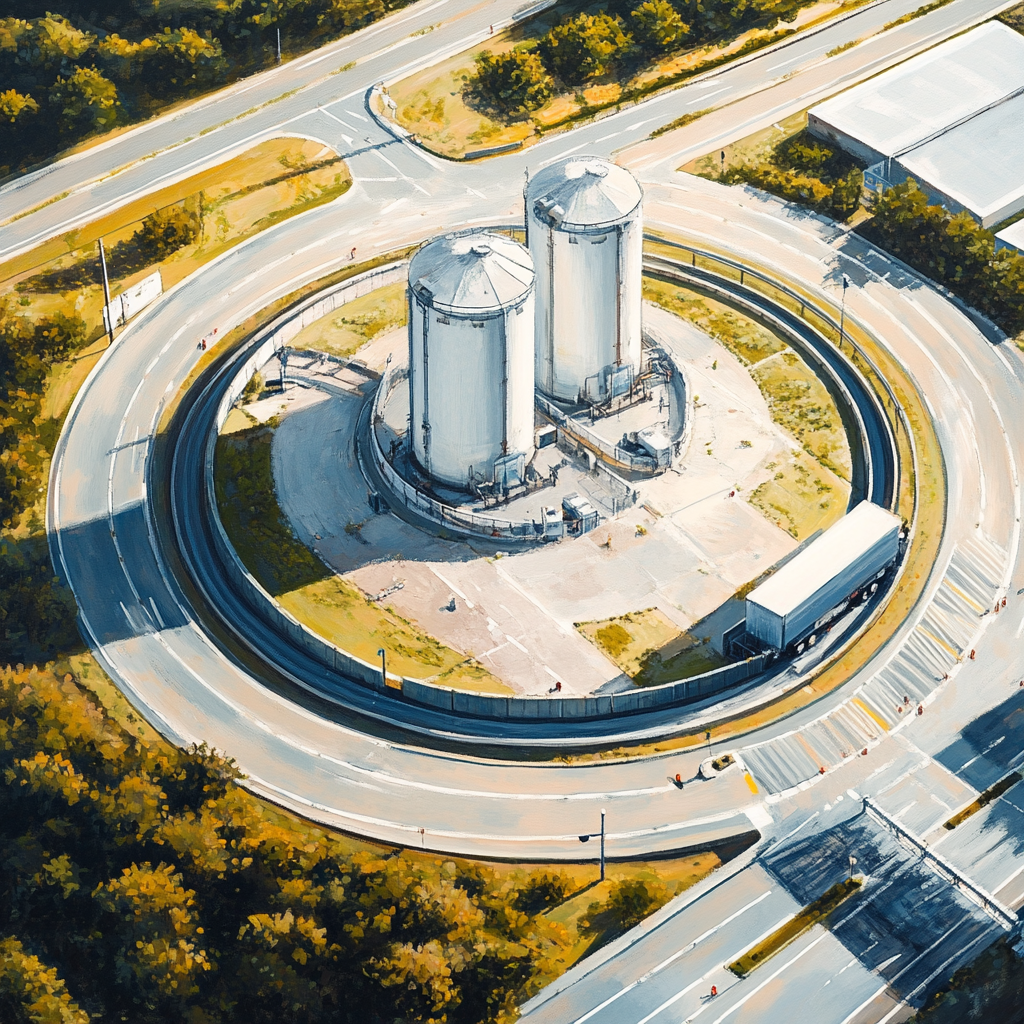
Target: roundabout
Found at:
309, 738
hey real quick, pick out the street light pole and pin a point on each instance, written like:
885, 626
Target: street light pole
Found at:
602, 844
842, 310
279, 46
383, 667
106, 293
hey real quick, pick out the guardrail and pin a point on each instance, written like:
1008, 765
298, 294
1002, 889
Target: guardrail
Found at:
448, 516
1006, 917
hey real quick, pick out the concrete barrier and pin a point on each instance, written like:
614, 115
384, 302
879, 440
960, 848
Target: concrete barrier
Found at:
506, 147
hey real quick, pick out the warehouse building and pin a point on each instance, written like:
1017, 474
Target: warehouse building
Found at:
949, 118
1012, 237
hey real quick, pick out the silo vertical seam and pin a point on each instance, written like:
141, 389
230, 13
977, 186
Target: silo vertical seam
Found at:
504, 383
549, 313
413, 375
426, 392
618, 294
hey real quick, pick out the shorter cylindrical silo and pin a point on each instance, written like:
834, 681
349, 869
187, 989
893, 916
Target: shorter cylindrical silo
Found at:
471, 359
585, 233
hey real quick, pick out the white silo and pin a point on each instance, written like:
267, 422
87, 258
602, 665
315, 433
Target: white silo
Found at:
471, 348
585, 232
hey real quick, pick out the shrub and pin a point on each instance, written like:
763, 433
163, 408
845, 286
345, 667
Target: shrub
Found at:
633, 899
514, 82
584, 47
657, 27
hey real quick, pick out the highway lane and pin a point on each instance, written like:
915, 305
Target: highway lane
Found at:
332, 110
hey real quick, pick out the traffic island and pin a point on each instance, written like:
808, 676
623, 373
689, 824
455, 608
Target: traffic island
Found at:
814, 913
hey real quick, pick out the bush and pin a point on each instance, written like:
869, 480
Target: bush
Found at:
84, 102
633, 899
514, 82
952, 249
657, 27
584, 47
542, 892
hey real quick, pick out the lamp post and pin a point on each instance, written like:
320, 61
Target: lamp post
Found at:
853, 861
587, 836
842, 310
383, 667
106, 293
279, 46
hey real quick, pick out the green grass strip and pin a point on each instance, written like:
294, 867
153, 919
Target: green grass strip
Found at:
814, 913
992, 793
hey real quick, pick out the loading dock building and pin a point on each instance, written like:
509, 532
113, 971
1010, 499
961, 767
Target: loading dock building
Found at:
949, 118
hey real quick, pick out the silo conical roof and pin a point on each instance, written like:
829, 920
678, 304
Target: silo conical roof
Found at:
479, 272
584, 192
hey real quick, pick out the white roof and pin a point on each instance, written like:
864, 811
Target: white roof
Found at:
979, 163
824, 558
477, 272
1013, 236
591, 191
905, 105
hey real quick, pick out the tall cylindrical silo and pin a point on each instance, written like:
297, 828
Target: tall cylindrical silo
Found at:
585, 233
471, 358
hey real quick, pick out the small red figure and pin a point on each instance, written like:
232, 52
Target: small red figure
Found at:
558, 687
864, 752
714, 990
972, 654
821, 770
920, 709
204, 344
1004, 602
679, 778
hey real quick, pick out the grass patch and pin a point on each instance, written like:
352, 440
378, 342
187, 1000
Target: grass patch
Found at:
811, 490
1014, 17
305, 587
992, 793
259, 531
356, 323
288, 174
651, 649
681, 122
814, 913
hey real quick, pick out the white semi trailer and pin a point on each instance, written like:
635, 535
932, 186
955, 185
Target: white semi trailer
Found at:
801, 596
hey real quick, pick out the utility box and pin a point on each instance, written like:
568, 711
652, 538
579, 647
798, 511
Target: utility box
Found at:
656, 443
801, 595
546, 436
554, 524
582, 516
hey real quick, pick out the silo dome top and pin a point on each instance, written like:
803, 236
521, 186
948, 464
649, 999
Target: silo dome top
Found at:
583, 192
472, 273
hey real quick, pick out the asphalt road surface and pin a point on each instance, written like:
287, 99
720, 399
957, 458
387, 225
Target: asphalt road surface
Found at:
142, 629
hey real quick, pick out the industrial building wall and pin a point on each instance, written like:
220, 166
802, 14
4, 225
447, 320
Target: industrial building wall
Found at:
588, 302
819, 126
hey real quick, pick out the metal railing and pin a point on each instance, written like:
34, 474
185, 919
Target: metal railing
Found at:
450, 516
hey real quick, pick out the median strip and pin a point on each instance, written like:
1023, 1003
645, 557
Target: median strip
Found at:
814, 913
992, 793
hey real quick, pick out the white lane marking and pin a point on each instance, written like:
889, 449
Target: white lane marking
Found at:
515, 643
867, 1002
605, 138
358, 117
344, 124
451, 586
417, 185
767, 981
1020, 629
927, 981
671, 960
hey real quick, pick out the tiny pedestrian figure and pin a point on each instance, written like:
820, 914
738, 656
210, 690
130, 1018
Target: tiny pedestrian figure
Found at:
352, 254
714, 991
558, 686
